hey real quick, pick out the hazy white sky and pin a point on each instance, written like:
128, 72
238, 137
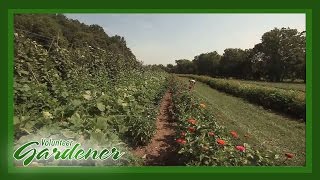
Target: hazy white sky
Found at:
163, 38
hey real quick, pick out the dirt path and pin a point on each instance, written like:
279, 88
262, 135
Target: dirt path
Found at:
161, 151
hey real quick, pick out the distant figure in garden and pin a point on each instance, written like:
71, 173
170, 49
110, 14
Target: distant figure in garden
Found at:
192, 82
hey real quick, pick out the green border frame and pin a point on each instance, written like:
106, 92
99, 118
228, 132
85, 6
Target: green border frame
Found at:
310, 7
306, 169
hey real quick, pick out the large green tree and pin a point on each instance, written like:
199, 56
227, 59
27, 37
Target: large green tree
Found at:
185, 66
232, 62
207, 63
283, 54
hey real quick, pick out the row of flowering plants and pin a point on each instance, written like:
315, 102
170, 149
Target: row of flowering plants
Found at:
202, 141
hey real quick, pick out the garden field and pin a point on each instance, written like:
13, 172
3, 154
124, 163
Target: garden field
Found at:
74, 82
148, 114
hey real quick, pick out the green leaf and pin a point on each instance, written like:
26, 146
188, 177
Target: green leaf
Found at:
64, 94
101, 106
24, 72
76, 102
101, 123
16, 120
25, 87
87, 96
75, 119
120, 101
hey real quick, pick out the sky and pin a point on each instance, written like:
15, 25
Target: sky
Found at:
164, 38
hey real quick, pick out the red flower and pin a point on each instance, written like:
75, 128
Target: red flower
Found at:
181, 141
289, 155
192, 121
221, 142
240, 148
183, 134
211, 133
192, 129
234, 134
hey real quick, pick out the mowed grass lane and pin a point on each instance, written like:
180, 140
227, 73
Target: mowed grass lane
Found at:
265, 129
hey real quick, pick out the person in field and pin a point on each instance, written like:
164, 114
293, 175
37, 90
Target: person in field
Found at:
192, 82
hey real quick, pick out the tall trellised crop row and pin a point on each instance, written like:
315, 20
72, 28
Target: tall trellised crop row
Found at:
88, 95
203, 142
284, 101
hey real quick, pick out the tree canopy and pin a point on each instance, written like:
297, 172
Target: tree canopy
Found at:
69, 33
280, 55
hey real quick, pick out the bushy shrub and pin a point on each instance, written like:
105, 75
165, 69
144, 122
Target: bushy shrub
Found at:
285, 101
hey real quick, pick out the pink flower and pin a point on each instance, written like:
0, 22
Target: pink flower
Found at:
240, 148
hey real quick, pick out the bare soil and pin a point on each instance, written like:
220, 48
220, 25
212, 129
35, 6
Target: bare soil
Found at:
162, 150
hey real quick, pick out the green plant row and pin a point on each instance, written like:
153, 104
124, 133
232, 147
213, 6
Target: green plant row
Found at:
285, 101
86, 94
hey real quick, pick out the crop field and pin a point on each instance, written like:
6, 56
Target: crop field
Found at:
88, 88
81, 101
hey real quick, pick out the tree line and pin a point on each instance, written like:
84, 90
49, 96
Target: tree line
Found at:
57, 29
281, 55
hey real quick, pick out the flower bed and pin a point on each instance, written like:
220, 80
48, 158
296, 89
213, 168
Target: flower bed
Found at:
203, 142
